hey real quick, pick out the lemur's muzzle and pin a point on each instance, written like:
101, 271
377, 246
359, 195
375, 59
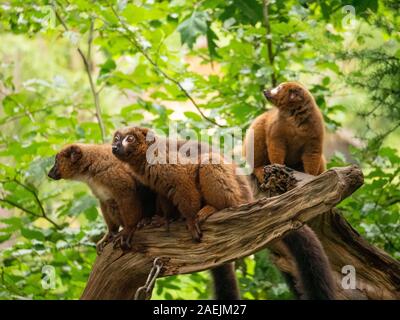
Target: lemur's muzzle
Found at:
54, 173
267, 94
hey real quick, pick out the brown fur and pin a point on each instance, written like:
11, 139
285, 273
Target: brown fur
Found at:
123, 201
290, 134
316, 277
196, 190
193, 188
105, 174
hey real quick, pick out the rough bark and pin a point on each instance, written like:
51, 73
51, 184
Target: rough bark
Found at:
377, 274
228, 235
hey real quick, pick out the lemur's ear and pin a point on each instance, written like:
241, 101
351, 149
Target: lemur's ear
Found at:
143, 131
295, 94
147, 133
74, 153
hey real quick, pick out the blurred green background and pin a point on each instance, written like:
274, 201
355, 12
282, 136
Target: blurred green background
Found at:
76, 70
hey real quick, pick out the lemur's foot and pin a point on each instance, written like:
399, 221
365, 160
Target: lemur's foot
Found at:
158, 221
259, 174
205, 212
195, 231
144, 222
123, 239
108, 237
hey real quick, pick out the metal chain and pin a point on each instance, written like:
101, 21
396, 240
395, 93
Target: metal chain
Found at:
144, 292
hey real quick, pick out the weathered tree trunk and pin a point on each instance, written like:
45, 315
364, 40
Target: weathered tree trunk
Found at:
377, 275
227, 235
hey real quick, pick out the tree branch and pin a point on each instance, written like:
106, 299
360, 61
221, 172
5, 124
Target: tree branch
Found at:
30, 115
87, 63
89, 44
42, 214
18, 206
271, 56
377, 275
116, 275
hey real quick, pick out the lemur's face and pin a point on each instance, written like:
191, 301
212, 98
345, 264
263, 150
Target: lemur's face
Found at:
130, 142
287, 95
67, 163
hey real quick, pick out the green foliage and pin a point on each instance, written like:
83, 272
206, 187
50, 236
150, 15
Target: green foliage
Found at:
192, 27
145, 58
374, 209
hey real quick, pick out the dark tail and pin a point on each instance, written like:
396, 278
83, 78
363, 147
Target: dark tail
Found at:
225, 283
313, 266
293, 285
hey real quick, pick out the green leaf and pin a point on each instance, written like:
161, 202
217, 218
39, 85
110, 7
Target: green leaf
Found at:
32, 234
4, 237
91, 213
192, 115
82, 204
326, 10
135, 14
13, 223
37, 171
212, 46
108, 66
363, 5
193, 27
389, 153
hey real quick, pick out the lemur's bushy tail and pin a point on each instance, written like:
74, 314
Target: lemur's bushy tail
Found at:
316, 277
225, 283
313, 266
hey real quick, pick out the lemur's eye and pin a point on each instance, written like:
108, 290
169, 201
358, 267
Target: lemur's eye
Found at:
116, 138
130, 139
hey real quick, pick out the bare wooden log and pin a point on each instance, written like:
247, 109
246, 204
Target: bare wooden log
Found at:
227, 235
377, 275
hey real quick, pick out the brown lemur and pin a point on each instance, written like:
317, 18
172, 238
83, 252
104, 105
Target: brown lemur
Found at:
196, 188
113, 182
123, 200
292, 134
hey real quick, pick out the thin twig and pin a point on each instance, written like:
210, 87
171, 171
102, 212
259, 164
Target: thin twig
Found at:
136, 44
32, 112
271, 56
89, 44
39, 203
42, 214
20, 105
16, 205
86, 61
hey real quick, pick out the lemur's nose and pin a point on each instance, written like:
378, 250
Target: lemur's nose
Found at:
114, 149
54, 174
267, 94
